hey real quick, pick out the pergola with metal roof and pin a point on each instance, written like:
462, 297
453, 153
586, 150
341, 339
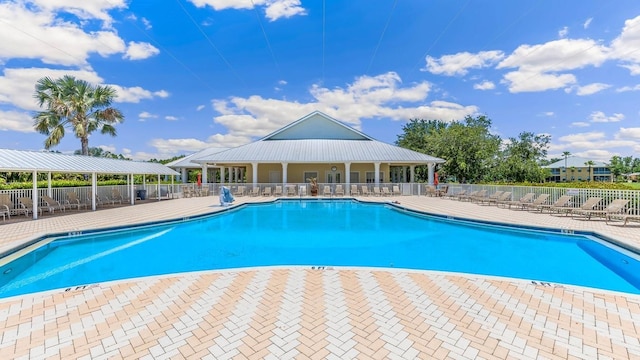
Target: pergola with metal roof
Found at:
48, 162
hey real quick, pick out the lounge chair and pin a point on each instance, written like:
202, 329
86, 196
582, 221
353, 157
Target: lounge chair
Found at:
615, 207
187, 192
4, 208
116, 196
339, 191
562, 203
541, 200
354, 190
27, 205
468, 196
376, 191
490, 198
326, 191
431, 190
479, 196
7, 204
505, 196
457, 195
52, 204
442, 191
291, 190
395, 190
385, 191
364, 190
266, 191
240, 190
520, 203
278, 191
588, 205
302, 190
73, 200
624, 217
255, 191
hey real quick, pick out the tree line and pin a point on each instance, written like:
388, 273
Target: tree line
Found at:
474, 154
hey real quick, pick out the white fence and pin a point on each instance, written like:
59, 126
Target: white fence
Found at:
168, 191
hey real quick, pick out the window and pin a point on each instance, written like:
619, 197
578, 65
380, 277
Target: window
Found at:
310, 174
371, 177
354, 177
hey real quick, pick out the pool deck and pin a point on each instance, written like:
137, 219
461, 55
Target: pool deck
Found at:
318, 313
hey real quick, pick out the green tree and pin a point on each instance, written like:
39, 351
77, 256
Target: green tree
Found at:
75, 104
616, 164
521, 157
468, 145
590, 165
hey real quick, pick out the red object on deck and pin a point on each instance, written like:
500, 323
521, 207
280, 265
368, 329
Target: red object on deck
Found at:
199, 181
435, 179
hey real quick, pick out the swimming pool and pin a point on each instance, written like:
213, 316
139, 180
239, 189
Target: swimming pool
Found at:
321, 233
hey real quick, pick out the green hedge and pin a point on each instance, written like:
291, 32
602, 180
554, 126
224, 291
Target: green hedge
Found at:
577, 185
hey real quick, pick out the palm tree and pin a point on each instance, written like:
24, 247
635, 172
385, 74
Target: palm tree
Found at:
566, 154
75, 104
590, 164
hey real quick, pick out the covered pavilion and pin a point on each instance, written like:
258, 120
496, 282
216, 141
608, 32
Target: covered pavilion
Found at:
315, 146
48, 162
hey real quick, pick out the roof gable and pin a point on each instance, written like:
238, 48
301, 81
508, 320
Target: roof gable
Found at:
316, 126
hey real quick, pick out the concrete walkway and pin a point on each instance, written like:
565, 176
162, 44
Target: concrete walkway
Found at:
318, 313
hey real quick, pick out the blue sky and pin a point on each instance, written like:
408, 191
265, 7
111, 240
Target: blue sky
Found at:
192, 74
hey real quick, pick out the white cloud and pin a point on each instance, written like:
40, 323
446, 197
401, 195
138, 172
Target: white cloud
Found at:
96, 9
367, 97
600, 117
538, 65
140, 50
629, 133
581, 137
562, 33
592, 88
171, 147
147, 23
16, 121
580, 124
460, 63
200, 107
170, 118
274, 9
485, 85
29, 32
146, 115
282, 82
548, 113
625, 46
587, 23
522, 81
136, 93
628, 88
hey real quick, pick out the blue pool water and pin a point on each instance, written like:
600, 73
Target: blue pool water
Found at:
328, 233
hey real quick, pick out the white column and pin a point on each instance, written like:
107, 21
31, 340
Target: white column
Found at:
284, 172
34, 195
254, 169
132, 190
235, 174
221, 174
242, 174
432, 167
203, 178
49, 192
158, 188
376, 169
412, 174
347, 176
183, 175
94, 190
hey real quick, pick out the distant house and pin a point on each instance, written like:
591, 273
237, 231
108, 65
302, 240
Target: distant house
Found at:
574, 169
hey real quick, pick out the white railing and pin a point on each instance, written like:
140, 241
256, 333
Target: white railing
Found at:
167, 191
